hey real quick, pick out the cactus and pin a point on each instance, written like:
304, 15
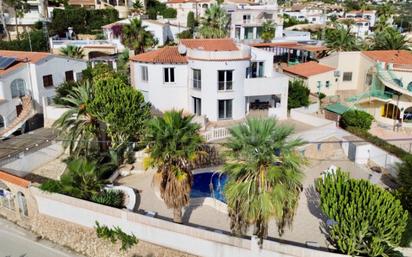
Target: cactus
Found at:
369, 221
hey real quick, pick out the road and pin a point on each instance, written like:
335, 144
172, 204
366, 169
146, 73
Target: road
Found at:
17, 242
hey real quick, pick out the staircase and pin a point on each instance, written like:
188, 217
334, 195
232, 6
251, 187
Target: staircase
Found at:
388, 79
19, 121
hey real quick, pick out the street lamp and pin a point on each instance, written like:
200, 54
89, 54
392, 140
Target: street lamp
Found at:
397, 106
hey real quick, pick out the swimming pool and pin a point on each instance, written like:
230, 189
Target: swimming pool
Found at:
209, 184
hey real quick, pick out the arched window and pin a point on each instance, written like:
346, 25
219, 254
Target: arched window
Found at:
2, 122
21, 199
410, 86
18, 88
398, 82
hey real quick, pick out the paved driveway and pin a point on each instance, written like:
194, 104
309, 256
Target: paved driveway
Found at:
16, 242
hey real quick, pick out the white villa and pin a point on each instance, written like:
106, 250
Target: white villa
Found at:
246, 22
27, 81
213, 78
379, 82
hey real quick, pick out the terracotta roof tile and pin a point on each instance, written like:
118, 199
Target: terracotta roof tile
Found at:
401, 57
33, 57
163, 55
308, 69
14, 179
223, 44
22, 57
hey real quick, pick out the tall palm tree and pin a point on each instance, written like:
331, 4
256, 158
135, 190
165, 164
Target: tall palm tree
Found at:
264, 176
77, 126
72, 51
214, 23
389, 39
3, 20
136, 37
341, 39
173, 143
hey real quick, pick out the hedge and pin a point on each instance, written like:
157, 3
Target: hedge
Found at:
362, 133
81, 20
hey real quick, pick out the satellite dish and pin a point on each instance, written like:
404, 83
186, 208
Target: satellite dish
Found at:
181, 49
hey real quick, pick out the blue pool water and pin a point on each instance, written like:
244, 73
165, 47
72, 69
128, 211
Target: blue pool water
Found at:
209, 184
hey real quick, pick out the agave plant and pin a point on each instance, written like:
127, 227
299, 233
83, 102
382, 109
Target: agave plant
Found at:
72, 51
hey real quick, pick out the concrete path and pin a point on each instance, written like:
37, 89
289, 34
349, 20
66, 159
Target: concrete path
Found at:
17, 242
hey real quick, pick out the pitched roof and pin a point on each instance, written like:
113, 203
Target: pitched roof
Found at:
308, 69
21, 58
167, 54
222, 44
390, 56
14, 179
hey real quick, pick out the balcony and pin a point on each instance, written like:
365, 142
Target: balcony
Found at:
266, 86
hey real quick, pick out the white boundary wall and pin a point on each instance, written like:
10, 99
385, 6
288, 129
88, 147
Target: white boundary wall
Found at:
304, 115
188, 239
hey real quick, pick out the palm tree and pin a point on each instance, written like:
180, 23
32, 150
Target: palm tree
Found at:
174, 143
77, 126
268, 31
72, 51
20, 7
264, 176
214, 23
341, 39
389, 39
136, 37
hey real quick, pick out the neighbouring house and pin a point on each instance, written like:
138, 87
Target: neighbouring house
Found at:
361, 27
216, 79
369, 15
183, 7
317, 77
246, 22
294, 52
379, 82
122, 6
163, 30
28, 80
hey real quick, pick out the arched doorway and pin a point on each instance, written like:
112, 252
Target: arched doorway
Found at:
391, 111
2, 123
6, 197
21, 199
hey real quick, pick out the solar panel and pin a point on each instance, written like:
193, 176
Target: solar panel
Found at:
5, 62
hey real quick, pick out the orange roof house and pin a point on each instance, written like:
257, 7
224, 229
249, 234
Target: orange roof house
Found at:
307, 69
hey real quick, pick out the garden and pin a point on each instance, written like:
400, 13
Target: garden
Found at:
108, 121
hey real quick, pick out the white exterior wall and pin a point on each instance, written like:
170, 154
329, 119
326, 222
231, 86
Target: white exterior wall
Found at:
8, 107
57, 66
210, 93
164, 96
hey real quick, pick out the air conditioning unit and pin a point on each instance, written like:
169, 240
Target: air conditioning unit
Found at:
336, 73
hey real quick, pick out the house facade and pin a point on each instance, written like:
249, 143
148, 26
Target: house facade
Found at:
246, 22
27, 80
379, 82
213, 78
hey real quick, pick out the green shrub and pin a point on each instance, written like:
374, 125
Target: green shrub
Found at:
404, 179
114, 198
52, 186
62, 91
407, 235
82, 20
397, 151
37, 39
357, 119
298, 94
114, 234
369, 220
